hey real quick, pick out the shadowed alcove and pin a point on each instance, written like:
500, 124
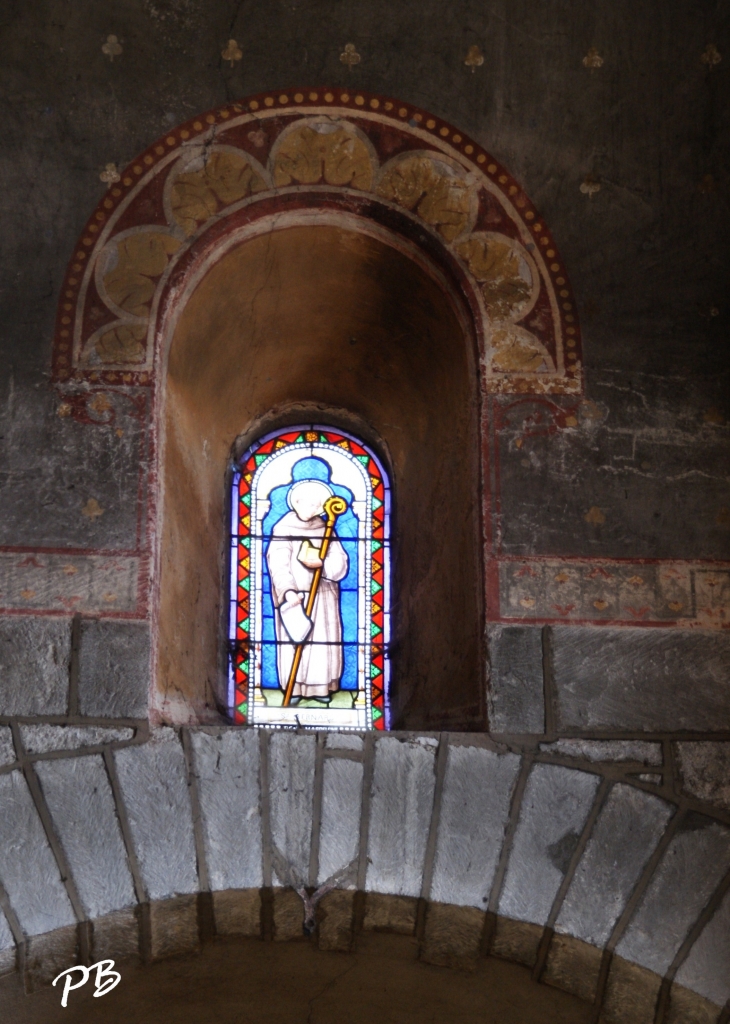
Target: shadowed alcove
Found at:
347, 326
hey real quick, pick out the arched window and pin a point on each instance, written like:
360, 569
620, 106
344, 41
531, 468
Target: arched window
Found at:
309, 619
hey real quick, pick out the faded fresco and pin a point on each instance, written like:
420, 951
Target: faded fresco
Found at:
370, 153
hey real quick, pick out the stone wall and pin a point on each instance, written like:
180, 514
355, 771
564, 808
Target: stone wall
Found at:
587, 834
597, 855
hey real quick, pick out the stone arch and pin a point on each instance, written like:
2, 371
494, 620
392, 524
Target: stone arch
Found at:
198, 835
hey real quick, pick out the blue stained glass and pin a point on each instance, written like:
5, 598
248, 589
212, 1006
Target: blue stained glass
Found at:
309, 625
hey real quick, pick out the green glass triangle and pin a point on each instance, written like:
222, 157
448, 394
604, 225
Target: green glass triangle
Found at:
246, 584
323, 439
243, 666
376, 502
299, 440
375, 587
374, 629
259, 459
376, 545
246, 499
243, 708
244, 624
374, 671
377, 713
363, 458
246, 541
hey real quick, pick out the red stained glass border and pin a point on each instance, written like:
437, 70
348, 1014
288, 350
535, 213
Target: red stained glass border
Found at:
272, 443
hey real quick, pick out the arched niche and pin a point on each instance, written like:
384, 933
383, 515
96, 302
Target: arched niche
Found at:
426, 221
326, 318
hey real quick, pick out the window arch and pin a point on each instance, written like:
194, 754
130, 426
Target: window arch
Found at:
309, 582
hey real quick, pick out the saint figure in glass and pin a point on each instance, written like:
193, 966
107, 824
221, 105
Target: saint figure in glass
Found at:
299, 577
310, 593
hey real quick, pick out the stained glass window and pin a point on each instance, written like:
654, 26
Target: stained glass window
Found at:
309, 605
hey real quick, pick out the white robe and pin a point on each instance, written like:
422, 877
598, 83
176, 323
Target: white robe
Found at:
320, 668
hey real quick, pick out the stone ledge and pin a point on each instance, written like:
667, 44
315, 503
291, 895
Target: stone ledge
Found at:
687, 1007
48, 954
573, 965
335, 930
516, 940
174, 927
631, 994
116, 936
237, 912
452, 936
390, 913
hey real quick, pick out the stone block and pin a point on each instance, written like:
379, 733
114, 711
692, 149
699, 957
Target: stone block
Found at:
7, 747
39, 739
452, 936
707, 968
400, 814
516, 940
288, 915
607, 750
574, 966
339, 835
8, 960
625, 835
291, 777
7, 947
631, 994
335, 930
237, 912
49, 954
153, 779
28, 869
174, 927
686, 877
554, 809
704, 769
343, 741
475, 806
390, 913
643, 679
114, 668
116, 936
516, 694
80, 799
686, 1007
34, 664
227, 769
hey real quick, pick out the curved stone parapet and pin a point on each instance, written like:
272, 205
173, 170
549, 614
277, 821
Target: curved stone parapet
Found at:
605, 883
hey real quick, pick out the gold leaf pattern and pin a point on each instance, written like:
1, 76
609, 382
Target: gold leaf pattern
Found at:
498, 267
141, 259
517, 351
308, 156
440, 199
123, 344
197, 195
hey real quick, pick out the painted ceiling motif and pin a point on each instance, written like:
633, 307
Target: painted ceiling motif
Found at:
372, 155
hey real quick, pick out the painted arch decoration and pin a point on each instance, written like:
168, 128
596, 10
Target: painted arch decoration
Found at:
354, 152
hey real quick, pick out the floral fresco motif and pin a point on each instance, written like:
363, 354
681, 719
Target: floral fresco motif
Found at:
503, 272
224, 178
432, 189
323, 151
375, 158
